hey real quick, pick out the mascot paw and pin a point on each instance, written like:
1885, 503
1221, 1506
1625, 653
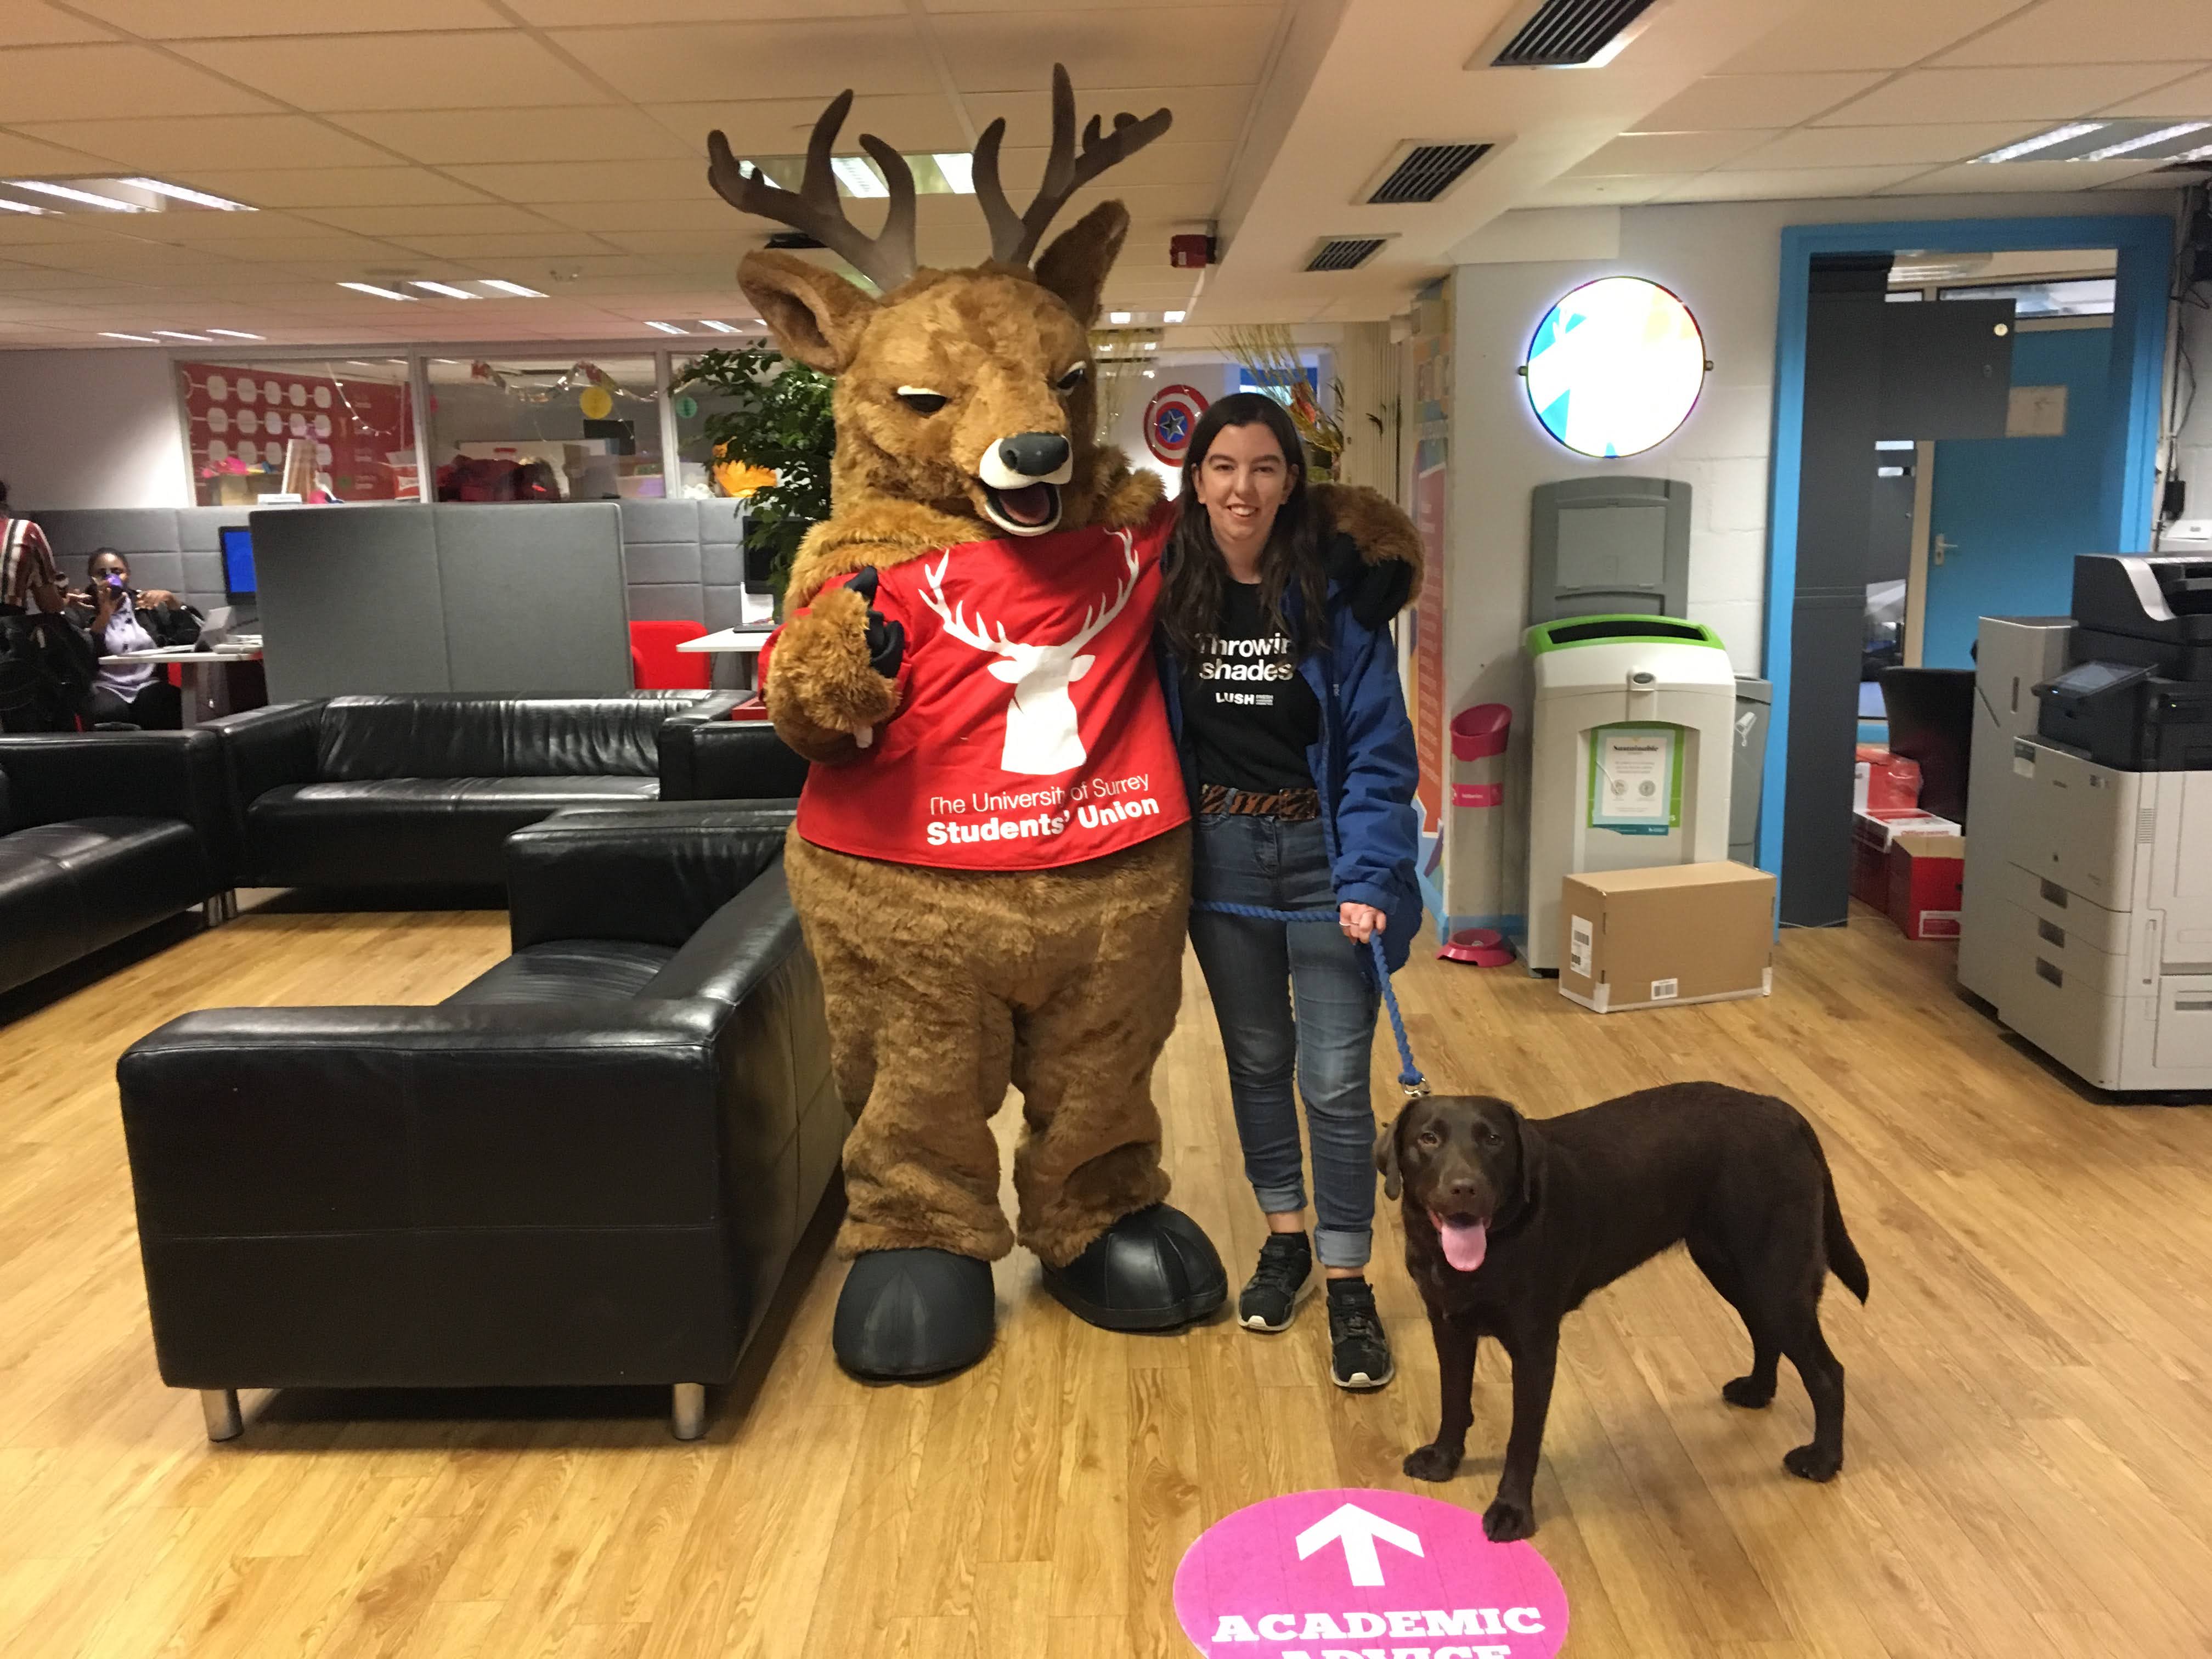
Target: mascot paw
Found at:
906, 1316
1151, 1271
825, 675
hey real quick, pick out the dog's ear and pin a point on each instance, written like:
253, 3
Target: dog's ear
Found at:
1386, 1159
1531, 1149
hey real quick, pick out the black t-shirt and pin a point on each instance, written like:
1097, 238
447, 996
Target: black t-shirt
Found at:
1250, 713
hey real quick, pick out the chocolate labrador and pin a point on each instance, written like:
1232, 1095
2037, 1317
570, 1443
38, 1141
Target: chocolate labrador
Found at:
1511, 1222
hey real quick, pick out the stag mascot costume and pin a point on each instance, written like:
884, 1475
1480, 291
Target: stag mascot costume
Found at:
992, 855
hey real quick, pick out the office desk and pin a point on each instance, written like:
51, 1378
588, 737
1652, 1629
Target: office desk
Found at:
742, 643
203, 680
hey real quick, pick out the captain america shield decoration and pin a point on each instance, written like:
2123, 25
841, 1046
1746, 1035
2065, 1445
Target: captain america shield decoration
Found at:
1169, 418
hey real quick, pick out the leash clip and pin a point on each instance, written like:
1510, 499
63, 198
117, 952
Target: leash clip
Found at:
1419, 1090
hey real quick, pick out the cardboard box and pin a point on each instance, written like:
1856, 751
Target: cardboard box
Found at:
1927, 875
1872, 834
1684, 933
1885, 782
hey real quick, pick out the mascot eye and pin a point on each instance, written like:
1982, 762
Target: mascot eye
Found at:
1073, 378
922, 400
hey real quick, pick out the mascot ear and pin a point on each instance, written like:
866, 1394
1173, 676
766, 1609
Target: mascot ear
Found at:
1076, 266
817, 316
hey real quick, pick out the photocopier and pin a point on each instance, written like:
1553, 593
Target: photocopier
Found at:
2088, 884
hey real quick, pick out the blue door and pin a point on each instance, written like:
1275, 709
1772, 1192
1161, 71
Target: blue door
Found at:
2009, 514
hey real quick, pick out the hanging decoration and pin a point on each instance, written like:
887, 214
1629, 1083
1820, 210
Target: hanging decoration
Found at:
595, 404
1269, 355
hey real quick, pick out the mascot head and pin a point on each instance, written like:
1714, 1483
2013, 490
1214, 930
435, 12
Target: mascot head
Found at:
966, 392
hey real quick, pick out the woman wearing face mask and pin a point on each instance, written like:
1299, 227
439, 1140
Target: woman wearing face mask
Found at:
1283, 688
121, 619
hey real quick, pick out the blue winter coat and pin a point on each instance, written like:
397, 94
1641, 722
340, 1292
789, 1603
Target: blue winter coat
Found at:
1363, 765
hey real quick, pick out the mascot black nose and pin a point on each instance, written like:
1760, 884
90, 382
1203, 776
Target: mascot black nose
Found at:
1034, 454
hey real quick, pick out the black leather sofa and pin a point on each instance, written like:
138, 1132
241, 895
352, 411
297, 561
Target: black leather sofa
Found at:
103, 835
589, 1166
372, 792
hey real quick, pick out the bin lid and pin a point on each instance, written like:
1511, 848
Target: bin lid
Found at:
1750, 688
1621, 629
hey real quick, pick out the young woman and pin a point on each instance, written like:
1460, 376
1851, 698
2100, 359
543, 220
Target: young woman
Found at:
1300, 762
121, 618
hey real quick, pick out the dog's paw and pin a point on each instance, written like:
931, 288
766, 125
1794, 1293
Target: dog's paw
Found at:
1432, 1462
1749, 1392
1506, 1520
1811, 1463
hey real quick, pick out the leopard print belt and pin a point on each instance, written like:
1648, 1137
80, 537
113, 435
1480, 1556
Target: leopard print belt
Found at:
1287, 805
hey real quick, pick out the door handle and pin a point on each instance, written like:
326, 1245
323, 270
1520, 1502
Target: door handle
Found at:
1944, 544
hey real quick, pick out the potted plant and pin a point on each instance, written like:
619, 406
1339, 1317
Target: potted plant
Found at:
773, 421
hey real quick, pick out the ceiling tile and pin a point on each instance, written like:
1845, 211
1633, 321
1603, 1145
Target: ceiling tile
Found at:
709, 212
29, 25
429, 220
353, 251
213, 141
1668, 152
1790, 185
815, 59
552, 242
20, 155
2090, 32
580, 14
1843, 146
1573, 190
1723, 102
614, 133
2052, 176
1188, 45
402, 71
314, 187
168, 20
1203, 114
780, 126
2189, 99
1165, 162
592, 181
59, 83
1866, 34
2056, 94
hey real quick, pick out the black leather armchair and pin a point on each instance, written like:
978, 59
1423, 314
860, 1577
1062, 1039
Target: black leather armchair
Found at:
589, 1166
102, 835
405, 791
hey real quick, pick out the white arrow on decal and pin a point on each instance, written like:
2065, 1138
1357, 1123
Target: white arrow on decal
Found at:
1358, 1531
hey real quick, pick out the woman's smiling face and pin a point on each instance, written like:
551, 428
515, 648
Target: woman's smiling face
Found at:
1242, 482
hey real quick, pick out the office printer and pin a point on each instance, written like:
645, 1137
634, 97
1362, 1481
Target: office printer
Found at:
2088, 911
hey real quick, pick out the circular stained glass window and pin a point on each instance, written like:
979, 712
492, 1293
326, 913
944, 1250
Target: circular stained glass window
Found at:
1615, 367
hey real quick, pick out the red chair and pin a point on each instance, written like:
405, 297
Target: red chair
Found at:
655, 664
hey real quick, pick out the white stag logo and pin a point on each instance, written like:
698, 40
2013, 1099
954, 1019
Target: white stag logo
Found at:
1040, 734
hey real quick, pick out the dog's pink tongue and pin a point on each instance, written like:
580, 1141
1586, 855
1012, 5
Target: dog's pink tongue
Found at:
1465, 1242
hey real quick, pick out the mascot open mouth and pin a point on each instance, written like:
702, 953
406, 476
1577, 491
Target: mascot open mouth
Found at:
1029, 509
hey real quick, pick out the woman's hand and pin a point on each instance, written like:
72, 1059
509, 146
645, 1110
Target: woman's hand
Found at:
1360, 922
157, 598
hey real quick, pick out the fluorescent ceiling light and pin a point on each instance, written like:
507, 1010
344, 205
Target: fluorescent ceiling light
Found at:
505, 287
172, 334
233, 334
1171, 316
1117, 317
857, 177
2203, 153
2181, 130
1151, 345
22, 207
380, 293
2041, 141
142, 339
445, 289
958, 167
718, 328
668, 328
1150, 373
71, 193
196, 197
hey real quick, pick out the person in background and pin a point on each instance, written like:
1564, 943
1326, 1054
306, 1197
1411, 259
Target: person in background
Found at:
29, 580
45, 664
120, 618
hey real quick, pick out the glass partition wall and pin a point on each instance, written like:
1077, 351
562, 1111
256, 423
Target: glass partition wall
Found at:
590, 422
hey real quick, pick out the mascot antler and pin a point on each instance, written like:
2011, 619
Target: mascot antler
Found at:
886, 258
1014, 236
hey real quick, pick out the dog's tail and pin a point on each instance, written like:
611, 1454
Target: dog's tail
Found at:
1843, 1259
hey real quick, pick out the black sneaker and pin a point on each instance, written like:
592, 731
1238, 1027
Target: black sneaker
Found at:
1284, 1276
1359, 1353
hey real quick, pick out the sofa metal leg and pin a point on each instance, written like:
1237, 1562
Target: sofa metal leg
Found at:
688, 1416
220, 1407
230, 904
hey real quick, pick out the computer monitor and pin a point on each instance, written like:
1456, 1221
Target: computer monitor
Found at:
238, 564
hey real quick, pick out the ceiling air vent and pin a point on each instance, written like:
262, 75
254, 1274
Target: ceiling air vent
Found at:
1426, 172
1564, 34
1344, 252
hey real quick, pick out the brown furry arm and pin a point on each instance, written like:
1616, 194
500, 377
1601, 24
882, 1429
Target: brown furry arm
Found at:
821, 691
1375, 523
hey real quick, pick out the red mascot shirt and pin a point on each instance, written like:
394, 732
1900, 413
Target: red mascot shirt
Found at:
1030, 732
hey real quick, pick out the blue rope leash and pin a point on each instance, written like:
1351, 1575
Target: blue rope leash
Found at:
1409, 1075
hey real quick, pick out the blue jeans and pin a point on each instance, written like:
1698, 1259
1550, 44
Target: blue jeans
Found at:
1255, 972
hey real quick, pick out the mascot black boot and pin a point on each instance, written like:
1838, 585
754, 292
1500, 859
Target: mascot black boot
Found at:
907, 1315
1152, 1271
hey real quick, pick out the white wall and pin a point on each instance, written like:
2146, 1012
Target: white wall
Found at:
91, 428
1723, 259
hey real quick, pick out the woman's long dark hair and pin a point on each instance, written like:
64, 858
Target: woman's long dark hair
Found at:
1190, 605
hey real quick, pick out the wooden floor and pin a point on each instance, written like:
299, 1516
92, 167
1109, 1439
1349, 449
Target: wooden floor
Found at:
2030, 1451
